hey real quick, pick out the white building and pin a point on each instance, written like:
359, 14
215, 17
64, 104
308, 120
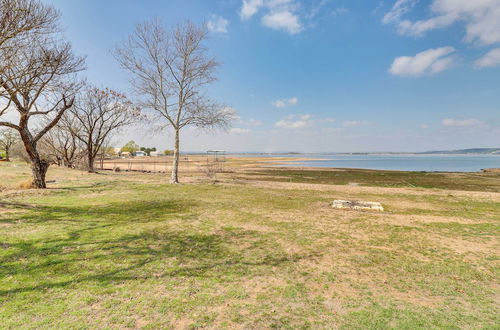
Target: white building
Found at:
140, 154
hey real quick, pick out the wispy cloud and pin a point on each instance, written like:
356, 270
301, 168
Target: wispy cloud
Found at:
316, 8
481, 18
430, 61
254, 122
217, 24
469, 122
294, 121
400, 8
282, 103
238, 130
327, 120
490, 59
303, 121
356, 123
339, 11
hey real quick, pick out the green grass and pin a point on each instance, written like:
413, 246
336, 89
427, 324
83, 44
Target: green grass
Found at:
122, 251
463, 181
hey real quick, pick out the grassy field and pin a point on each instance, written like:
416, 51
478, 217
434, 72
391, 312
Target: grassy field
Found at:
127, 250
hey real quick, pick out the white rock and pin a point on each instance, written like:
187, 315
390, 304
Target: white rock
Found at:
357, 205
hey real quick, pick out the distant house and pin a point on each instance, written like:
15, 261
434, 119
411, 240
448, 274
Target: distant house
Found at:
154, 153
124, 154
140, 154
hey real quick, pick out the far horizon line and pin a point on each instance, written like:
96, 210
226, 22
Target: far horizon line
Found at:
465, 150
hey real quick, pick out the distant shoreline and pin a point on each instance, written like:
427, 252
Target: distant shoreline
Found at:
470, 151
297, 154
387, 162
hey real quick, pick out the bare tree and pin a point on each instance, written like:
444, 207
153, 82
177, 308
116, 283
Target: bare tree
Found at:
60, 144
98, 113
169, 71
22, 18
8, 138
37, 79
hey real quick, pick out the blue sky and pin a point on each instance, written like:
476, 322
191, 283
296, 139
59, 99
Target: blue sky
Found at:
319, 75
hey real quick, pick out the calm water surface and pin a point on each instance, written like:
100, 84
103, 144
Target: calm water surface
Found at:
430, 163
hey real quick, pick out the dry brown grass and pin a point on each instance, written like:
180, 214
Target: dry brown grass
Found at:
28, 184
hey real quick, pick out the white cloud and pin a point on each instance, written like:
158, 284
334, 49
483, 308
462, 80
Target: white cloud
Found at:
283, 20
400, 8
280, 14
427, 62
316, 8
238, 130
333, 129
294, 121
303, 121
254, 122
424, 126
339, 11
250, 8
492, 58
481, 18
356, 123
217, 24
327, 120
470, 122
285, 102
291, 124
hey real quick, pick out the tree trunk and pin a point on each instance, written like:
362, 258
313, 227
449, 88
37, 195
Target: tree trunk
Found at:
7, 155
175, 163
91, 160
39, 168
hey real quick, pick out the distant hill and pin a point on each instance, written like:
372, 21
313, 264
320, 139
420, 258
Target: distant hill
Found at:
483, 151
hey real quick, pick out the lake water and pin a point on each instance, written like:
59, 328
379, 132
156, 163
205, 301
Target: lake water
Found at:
429, 163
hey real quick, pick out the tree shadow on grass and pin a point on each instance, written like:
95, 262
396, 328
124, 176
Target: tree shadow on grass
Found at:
118, 212
130, 241
14, 205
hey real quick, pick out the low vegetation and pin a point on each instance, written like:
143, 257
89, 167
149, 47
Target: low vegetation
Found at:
127, 250
476, 181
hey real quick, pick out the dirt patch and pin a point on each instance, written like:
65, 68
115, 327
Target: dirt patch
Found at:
417, 298
462, 246
415, 220
492, 170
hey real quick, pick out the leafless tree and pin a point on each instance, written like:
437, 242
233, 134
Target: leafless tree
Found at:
8, 138
169, 72
61, 145
37, 79
20, 19
97, 114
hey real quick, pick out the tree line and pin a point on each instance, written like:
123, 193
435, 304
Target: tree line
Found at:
60, 118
